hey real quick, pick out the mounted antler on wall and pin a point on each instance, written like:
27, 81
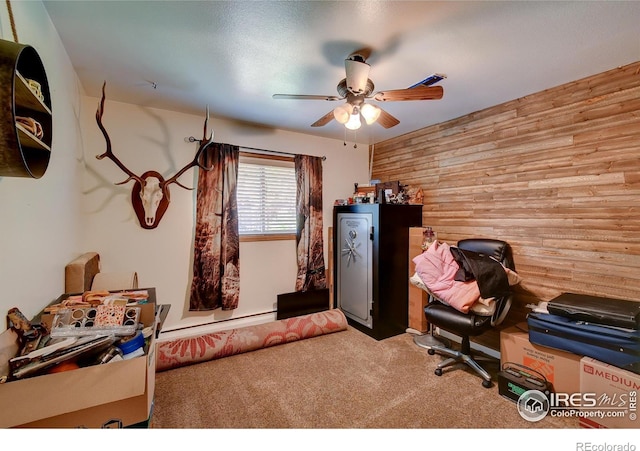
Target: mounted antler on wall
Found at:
150, 194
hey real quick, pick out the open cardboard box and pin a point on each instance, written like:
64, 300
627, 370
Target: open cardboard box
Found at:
561, 368
117, 394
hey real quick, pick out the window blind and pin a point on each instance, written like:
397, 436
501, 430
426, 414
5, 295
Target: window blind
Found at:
266, 194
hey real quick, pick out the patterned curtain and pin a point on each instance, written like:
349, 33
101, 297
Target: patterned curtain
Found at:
216, 270
311, 272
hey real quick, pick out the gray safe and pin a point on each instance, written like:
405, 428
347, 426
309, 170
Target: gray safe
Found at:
371, 253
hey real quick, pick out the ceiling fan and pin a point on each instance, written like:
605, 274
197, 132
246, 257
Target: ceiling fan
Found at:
358, 87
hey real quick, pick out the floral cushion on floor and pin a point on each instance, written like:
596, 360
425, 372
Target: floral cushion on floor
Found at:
215, 345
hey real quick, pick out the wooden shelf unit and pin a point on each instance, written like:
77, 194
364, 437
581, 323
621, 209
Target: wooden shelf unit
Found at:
21, 153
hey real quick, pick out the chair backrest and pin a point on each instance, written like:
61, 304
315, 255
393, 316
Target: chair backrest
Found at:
501, 251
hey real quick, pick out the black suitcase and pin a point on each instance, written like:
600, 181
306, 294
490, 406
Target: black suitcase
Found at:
613, 345
594, 309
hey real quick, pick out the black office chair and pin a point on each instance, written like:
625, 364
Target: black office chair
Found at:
470, 324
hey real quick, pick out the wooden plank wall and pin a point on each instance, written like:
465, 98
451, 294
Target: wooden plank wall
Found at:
556, 174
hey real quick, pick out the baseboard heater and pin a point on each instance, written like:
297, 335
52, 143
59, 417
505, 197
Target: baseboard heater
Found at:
302, 303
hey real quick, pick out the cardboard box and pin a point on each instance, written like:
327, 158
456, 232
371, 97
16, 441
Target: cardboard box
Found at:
561, 368
614, 392
117, 394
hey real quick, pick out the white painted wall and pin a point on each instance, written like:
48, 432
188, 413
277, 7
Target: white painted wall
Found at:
40, 218
150, 139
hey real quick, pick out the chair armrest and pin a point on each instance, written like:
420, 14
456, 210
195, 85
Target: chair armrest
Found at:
502, 309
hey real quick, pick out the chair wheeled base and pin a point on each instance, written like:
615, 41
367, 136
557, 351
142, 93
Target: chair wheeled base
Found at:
461, 356
429, 340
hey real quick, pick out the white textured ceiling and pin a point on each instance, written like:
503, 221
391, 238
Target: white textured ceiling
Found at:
234, 55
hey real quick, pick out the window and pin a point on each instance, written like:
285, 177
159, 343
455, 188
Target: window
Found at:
266, 194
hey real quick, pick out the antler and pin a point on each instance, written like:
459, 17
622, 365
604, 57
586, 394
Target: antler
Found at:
204, 143
109, 153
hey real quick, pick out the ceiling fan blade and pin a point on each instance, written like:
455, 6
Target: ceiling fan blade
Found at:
418, 93
430, 80
364, 52
305, 97
387, 120
324, 120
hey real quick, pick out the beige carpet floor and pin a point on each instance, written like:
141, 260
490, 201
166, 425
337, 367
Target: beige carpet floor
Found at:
341, 380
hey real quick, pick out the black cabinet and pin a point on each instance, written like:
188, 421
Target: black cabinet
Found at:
371, 244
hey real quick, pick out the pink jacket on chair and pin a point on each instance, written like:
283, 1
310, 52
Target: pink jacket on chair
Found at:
436, 268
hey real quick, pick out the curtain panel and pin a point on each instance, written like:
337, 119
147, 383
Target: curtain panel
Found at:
216, 256
309, 243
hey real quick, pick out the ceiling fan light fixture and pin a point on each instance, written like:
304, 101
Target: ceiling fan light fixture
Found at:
370, 113
354, 120
342, 113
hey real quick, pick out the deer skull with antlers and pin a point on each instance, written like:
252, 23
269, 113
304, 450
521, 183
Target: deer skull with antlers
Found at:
150, 194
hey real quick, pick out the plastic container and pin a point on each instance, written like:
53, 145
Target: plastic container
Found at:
133, 347
100, 320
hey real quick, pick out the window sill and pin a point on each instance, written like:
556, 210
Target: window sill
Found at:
269, 237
